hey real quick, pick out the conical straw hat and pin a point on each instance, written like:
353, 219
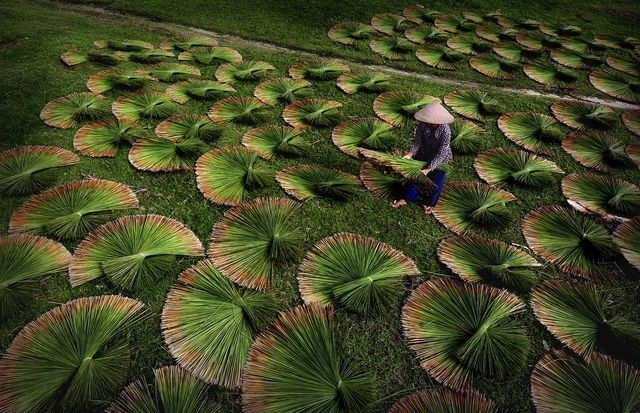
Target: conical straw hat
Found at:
434, 113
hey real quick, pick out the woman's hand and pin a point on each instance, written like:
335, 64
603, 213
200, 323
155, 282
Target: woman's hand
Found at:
407, 155
426, 171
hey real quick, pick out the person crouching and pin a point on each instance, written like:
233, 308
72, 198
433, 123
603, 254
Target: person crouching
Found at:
431, 144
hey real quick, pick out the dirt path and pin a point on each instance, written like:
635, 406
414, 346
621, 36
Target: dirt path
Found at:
98, 11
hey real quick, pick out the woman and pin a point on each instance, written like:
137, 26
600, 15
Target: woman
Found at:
431, 144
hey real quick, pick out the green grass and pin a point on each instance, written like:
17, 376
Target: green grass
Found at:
32, 38
303, 25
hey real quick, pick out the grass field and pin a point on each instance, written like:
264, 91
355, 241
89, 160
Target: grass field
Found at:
32, 37
304, 25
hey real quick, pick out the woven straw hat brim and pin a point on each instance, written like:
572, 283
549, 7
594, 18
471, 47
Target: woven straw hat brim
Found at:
434, 113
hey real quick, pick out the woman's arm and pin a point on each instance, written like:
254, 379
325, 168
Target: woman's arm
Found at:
415, 144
